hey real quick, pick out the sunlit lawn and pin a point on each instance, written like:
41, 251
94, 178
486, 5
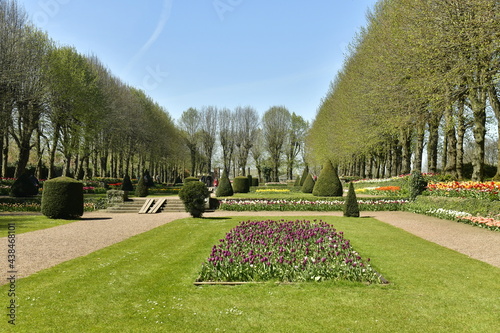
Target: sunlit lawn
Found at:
145, 284
26, 223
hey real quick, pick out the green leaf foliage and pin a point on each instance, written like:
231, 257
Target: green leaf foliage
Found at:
25, 186
328, 184
194, 194
127, 184
308, 185
241, 184
351, 208
416, 184
62, 198
141, 190
224, 189
304, 176
190, 179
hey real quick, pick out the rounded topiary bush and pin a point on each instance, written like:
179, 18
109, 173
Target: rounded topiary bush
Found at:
351, 207
194, 195
190, 179
25, 186
308, 185
62, 198
241, 184
224, 189
328, 183
141, 189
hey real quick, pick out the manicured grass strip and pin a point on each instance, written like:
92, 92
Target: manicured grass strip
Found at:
146, 284
27, 223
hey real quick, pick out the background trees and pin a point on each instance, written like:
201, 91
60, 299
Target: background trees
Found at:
420, 74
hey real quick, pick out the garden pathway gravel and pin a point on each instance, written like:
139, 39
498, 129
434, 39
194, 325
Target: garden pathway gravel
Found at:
45, 248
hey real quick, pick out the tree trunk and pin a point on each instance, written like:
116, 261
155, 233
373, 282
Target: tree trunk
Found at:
432, 145
419, 147
478, 104
495, 104
406, 151
450, 167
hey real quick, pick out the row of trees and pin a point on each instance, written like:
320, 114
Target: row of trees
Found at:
422, 73
59, 108
240, 134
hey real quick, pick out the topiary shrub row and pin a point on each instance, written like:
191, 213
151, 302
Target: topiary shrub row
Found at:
224, 189
328, 184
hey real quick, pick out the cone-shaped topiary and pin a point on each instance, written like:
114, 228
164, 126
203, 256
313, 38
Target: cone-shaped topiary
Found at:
62, 198
126, 186
416, 184
241, 184
308, 185
25, 186
141, 189
351, 208
224, 189
194, 195
304, 176
328, 183
250, 181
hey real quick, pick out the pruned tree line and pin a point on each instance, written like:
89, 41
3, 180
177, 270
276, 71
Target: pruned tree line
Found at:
62, 112
239, 137
416, 81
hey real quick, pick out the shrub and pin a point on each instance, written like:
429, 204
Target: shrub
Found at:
416, 184
241, 185
328, 183
351, 208
255, 182
194, 194
126, 187
304, 176
148, 180
224, 189
297, 182
190, 179
250, 180
25, 186
62, 198
308, 185
115, 196
141, 189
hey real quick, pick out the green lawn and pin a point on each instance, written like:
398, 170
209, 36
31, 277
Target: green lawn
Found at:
145, 284
26, 223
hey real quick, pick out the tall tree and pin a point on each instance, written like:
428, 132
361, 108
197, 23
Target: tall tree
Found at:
294, 144
227, 133
190, 122
209, 122
246, 130
275, 125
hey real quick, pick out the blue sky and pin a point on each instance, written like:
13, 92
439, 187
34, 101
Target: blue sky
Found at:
226, 53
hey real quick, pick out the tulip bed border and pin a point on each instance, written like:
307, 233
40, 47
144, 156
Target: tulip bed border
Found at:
285, 251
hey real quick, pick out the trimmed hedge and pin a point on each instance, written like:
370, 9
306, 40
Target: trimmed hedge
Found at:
328, 183
241, 184
255, 182
190, 179
62, 198
304, 176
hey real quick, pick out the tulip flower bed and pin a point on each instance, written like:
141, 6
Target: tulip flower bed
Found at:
287, 251
478, 190
307, 205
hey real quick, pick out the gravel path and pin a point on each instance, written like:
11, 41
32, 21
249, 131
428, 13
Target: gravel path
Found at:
42, 249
